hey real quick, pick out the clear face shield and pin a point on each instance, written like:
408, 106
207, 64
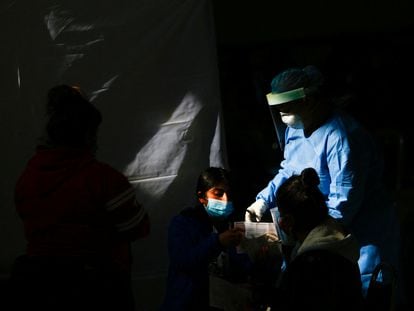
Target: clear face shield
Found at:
275, 100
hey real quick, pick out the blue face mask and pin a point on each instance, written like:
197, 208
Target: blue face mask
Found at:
219, 209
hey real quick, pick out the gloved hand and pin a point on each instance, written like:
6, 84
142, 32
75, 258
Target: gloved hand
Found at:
255, 211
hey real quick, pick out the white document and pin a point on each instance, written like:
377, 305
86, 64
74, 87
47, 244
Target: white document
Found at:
256, 229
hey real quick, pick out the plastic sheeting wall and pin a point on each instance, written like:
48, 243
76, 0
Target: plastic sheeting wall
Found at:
150, 67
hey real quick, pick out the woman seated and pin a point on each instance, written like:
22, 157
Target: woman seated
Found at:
322, 273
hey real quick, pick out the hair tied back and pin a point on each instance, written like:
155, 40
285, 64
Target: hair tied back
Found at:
309, 178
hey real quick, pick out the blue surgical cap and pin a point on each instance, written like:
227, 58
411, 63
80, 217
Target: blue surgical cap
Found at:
309, 78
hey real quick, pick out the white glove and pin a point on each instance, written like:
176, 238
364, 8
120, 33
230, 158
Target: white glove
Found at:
255, 211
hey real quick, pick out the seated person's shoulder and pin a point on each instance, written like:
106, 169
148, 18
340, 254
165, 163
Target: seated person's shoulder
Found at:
322, 262
317, 256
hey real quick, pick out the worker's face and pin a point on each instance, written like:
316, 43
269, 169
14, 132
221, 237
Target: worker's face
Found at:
292, 107
291, 113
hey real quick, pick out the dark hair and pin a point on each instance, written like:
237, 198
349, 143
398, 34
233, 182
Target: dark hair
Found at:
210, 177
300, 197
72, 119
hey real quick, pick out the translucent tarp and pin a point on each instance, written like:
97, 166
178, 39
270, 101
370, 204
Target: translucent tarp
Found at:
150, 67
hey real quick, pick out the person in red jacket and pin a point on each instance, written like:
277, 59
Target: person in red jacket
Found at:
79, 216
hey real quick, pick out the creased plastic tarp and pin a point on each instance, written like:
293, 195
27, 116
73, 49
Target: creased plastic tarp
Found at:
150, 67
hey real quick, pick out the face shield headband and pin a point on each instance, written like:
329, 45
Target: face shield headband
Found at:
285, 97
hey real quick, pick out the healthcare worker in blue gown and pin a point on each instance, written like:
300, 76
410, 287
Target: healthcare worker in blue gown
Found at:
349, 167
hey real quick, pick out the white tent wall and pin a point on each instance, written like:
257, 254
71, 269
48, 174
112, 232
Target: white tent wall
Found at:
150, 67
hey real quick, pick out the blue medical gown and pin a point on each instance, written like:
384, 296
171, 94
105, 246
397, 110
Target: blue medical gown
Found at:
350, 170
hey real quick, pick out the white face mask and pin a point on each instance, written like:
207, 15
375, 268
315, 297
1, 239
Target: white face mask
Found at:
292, 120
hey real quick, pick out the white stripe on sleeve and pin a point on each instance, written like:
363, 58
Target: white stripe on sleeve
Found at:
120, 199
131, 222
